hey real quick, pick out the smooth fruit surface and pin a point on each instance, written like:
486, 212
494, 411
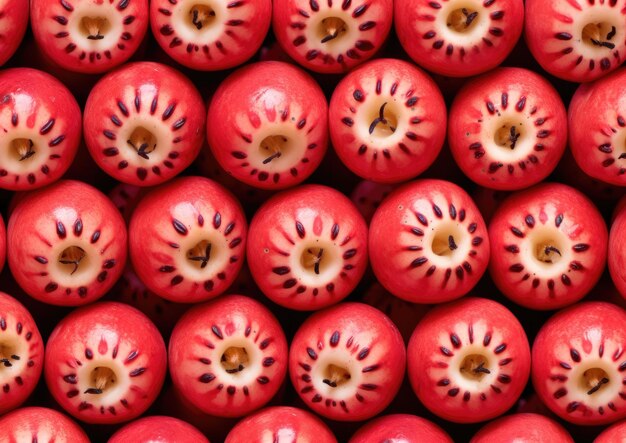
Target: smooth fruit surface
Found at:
155, 429
523, 427
40, 425
3, 243
13, 23
616, 257
401, 427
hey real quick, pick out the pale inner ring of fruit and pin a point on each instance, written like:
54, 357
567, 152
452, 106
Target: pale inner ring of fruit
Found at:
473, 368
102, 381
381, 122
596, 24
330, 31
316, 262
22, 151
277, 138
238, 362
336, 374
141, 130
204, 26
547, 250
448, 242
13, 354
595, 382
202, 255
507, 138
95, 27
451, 22
74, 263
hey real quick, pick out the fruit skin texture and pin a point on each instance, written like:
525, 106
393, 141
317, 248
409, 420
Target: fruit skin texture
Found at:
436, 359
507, 97
41, 424
111, 335
616, 256
206, 333
554, 34
234, 35
172, 220
411, 97
13, 22
360, 340
278, 423
308, 218
549, 214
301, 34
19, 336
612, 434
422, 29
155, 429
249, 106
47, 222
413, 220
597, 122
3, 243
523, 427
41, 109
401, 427
584, 336
58, 30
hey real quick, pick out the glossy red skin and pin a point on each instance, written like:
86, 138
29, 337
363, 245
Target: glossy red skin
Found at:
152, 83
274, 233
158, 429
13, 22
546, 19
370, 25
391, 234
40, 424
3, 243
42, 108
278, 423
523, 427
116, 334
581, 224
372, 340
427, 364
616, 256
401, 427
254, 98
232, 318
416, 20
85, 57
596, 110
538, 108
593, 330
613, 434
244, 27
198, 204
68, 213
406, 88
20, 379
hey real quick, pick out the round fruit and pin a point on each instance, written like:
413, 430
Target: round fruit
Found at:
347, 362
209, 35
469, 360
35, 424
187, 239
616, 256
228, 357
613, 434
578, 361
548, 246
3, 243
144, 123
105, 363
13, 23
267, 125
523, 427
387, 121
41, 125
307, 247
428, 242
281, 423
66, 243
507, 129
158, 429
402, 428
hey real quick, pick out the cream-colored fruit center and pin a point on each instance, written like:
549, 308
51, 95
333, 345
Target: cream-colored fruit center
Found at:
142, 141
94, 28
593, 380
474, 367
201, 16
234, 359
599, 35
273, 147
200, 255
462, 19
335, 376
384, 121
22, 149
509, 135
331, 29
101, 380
72, 259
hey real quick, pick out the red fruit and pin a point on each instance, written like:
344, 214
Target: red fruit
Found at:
468, 361
576, 41
281, 423
347, 362
3, 243
456, 38
210, 36
523, 427
187, 240
89, 36
267, 125
367, 197
617, 257
41, 124
401, 427
307, 247
40, 425
228, 357
578, 363
597, 120
105, 363
331, 38
387, 121
144, 123
13, 22
507, 129
158, 429
21, 353
548, 246
613, 434
428, 242
66, 243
